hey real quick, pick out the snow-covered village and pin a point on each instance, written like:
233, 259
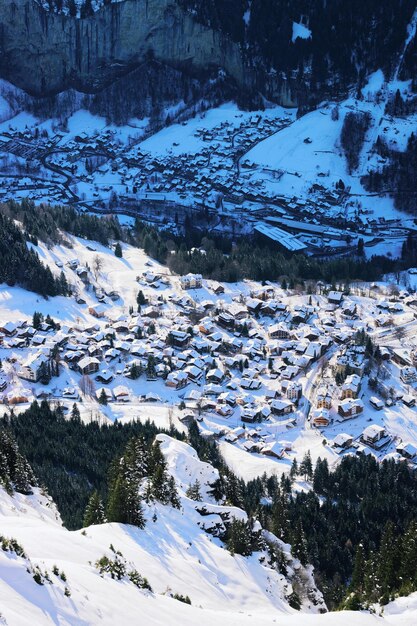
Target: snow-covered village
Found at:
269, 372
208, 313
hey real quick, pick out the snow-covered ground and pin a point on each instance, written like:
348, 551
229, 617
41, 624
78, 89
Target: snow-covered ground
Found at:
173, 552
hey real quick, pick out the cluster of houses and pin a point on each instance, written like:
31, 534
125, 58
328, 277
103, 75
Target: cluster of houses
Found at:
239, 360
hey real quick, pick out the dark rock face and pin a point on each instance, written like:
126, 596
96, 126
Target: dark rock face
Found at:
44, 53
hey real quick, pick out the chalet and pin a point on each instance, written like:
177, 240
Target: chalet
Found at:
335, 297
3, 382
349, 408
177, 380
18, 395
373, 434
351, 387
191, 281
250, 383
323, 398
281, 407
407, 450
97, 310
320, 417
278, 331
274, 449
409, 400
292, 390
32, 368
104, 377
376, 403
226, 320
88, 365
217, 288
343, 441
215, 375
254, 305
178, 338
9, 328
194, 373
121, 393
402, 357
107, 391
408, 374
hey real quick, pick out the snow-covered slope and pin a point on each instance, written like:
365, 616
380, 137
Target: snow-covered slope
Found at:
173, 552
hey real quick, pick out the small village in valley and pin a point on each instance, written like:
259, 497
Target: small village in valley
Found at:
272, 373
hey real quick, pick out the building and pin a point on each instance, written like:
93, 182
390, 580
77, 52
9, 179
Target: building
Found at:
281, 407
373, 434
88, 365
408, 374
191, 281
351, 387
320, 418
343, 441
350, 408
32, 368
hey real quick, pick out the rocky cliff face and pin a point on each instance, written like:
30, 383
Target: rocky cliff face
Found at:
44, 53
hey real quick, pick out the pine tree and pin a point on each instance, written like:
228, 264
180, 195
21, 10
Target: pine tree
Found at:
160, 485
174, 498
193, 491
75, 413
358, 575
299, 544
118, 250
239, 538
103, 397
116, 506
94, 512
306, 467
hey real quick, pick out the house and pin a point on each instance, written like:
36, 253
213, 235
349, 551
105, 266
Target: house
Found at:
407, 450
107, 391
88, 365
351, 387
3, 382
376, 403
335, 297
274, 449
217, 288
177, 380
373, 434
97, 310
349, 408
278, 331
343, 441
32, 368
178, 338
320, 417
121, 393
292, 390
323, 398
281, 407
191, 281
409, 400
408, 374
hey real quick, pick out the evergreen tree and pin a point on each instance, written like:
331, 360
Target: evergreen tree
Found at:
118, 250
239, 538
299, 544
193, 491
94, 512
103, 397
174, 498
306, 466
75, 413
